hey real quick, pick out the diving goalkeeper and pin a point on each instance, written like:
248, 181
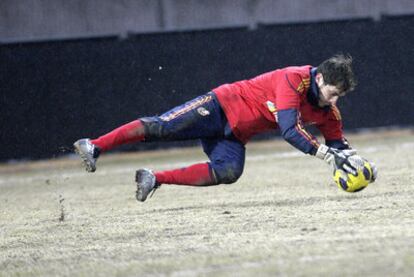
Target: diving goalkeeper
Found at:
227, 117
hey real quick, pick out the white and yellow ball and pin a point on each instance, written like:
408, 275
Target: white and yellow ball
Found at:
353, 183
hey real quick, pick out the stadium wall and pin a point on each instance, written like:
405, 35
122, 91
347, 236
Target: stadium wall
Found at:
53, 93
22, 20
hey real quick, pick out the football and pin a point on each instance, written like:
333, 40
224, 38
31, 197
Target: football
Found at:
354, 183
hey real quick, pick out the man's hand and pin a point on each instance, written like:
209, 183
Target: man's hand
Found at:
338, 159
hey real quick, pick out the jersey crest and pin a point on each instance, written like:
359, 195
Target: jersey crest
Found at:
271, 107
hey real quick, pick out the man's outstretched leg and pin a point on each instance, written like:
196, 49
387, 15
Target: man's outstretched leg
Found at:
197, 118
89, 150
194, 175
225, 167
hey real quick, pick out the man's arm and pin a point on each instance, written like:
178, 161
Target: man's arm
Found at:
290, 124
288, 92
294, 133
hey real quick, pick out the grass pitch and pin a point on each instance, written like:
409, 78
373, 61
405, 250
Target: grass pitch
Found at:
283, 217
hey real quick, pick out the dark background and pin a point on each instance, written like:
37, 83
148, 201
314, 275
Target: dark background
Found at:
54, 92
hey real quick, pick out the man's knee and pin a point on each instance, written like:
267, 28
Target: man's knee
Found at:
227, 173
154, 128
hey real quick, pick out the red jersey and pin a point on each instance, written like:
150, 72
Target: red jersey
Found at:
251, 106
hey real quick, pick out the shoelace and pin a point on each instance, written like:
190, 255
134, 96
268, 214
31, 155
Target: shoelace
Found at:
157, 185
85, 160
82, 156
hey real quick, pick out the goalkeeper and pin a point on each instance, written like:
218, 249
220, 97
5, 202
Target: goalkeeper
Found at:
228, 116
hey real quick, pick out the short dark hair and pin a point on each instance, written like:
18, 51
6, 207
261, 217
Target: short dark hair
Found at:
337, 71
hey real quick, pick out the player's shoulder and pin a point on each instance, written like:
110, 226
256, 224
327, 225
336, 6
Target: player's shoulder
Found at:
298, 77
303, 70
334, 113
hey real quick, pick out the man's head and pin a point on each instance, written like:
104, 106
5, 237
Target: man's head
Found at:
334, 78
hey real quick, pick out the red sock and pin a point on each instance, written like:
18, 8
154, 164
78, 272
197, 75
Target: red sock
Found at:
130, 132
194, 175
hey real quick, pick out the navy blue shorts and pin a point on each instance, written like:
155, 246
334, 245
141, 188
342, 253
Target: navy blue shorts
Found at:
201, 118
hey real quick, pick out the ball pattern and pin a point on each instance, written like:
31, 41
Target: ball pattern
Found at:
354, 183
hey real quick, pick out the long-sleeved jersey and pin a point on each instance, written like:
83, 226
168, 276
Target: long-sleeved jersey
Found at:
286, 98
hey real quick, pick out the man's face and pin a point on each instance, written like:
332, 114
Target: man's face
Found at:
328, 94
